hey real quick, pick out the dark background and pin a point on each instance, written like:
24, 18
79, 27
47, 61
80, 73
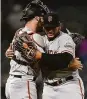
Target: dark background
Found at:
74, 15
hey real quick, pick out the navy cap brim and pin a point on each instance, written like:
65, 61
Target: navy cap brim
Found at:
49, 25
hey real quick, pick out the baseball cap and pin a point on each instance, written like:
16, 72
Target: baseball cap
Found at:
51, 20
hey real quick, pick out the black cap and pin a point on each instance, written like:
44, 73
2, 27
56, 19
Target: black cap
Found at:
51, 20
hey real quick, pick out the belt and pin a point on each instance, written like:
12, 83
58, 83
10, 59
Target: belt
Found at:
20, 76
17, 76
20, 61
60, 81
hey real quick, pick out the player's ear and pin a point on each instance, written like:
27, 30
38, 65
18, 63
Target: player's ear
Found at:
37, 18
41, 18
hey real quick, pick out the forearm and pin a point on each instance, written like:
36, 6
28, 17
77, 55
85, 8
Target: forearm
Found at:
55, 61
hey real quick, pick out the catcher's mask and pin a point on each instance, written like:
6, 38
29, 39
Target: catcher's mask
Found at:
34, 8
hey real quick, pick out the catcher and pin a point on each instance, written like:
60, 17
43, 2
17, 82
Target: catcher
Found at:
61, 77
21, 83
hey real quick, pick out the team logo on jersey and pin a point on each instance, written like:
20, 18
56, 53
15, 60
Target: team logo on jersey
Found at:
50, 18
68, 45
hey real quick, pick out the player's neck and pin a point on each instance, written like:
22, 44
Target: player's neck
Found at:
32, 25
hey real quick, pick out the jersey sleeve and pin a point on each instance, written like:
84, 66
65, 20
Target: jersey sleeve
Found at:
67, 45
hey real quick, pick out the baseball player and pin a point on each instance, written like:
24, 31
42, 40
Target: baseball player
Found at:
20, 83
60, 80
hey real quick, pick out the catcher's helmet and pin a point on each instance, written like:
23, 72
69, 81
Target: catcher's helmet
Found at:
34, 8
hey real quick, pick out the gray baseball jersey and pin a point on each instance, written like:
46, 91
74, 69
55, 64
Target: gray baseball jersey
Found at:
20, 84
72, 89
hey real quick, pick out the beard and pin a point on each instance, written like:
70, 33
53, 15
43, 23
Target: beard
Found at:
39, 27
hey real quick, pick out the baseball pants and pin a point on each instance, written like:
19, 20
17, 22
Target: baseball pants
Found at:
69, 90
20, 88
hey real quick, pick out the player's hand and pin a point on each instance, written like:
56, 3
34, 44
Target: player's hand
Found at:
75, 64
9, 53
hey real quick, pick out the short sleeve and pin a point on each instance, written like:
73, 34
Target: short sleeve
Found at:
67, 45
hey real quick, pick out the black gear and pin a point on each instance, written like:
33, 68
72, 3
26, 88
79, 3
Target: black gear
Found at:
34, 8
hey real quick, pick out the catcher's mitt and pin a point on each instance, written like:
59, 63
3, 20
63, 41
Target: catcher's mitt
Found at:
26, 46
77, 38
